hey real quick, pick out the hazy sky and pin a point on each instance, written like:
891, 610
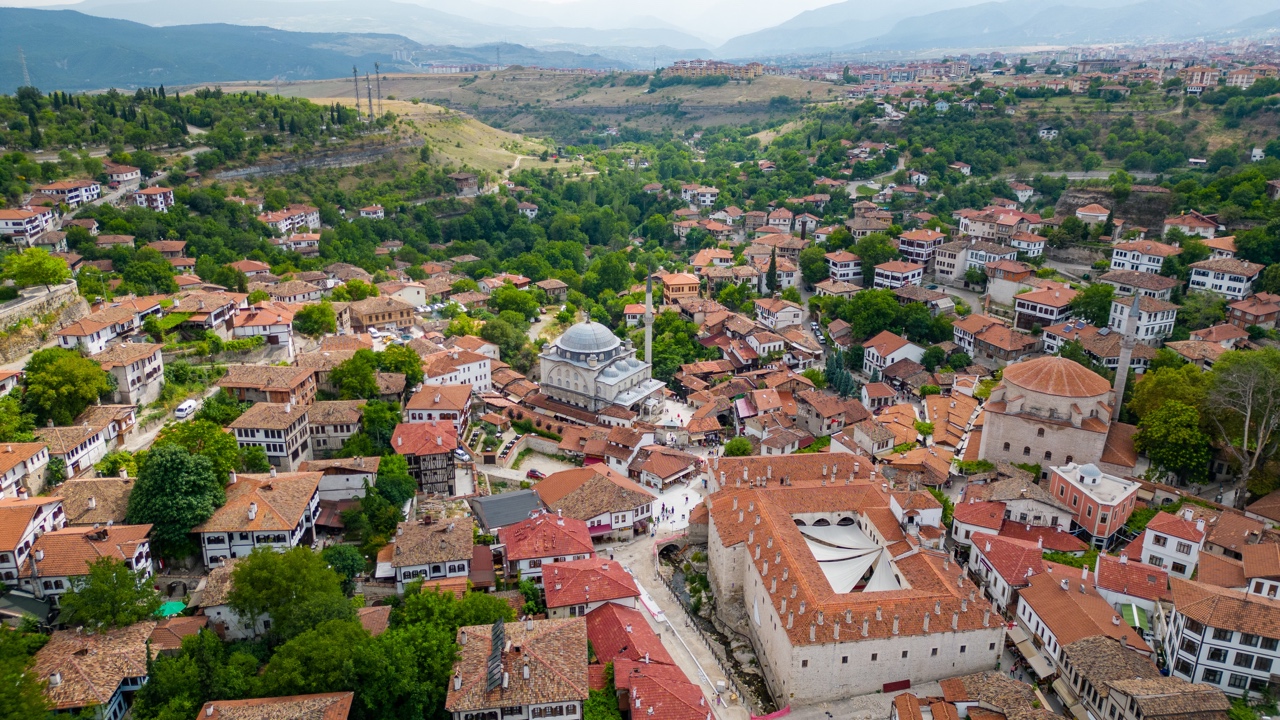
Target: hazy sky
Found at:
708, 18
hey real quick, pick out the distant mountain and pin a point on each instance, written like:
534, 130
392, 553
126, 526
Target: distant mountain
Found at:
853, 26
68, 50
1264, 25
436, 22
1025, 22
839, 25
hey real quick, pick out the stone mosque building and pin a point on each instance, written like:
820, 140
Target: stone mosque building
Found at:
590, 368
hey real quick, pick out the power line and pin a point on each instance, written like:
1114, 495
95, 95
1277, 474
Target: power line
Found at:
377, 70
355, 78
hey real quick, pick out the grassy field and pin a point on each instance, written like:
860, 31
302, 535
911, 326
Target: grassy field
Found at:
460, 139
607, 100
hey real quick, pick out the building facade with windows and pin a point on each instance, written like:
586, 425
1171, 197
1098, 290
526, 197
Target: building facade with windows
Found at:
282, 431
1221, 637
1173, 542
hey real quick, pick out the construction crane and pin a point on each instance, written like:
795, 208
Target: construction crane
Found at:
26, 76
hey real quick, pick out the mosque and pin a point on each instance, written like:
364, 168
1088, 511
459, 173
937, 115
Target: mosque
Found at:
590, 368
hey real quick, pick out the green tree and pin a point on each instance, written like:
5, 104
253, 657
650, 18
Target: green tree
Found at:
507, 297
813, 265
933, 356
21, 689
771, 278
1094, 304
253, 459
345, 560
1201, 310
35, 266
394, 481
206, 439
737, 447
873, 250
354, 377
1187, 385
289, 588
816, 376
60, 384
204, 669
315, 320
15, 425
603, 704
403, 360
509, 339
1171, 437
175, 492
221, 408
111, 595
113, 462
258, 296
1243, 405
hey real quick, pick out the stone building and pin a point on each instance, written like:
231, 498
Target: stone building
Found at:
1054, 411
839, 599
589, 367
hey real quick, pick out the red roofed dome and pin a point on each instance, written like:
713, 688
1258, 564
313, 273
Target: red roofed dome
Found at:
1056, 376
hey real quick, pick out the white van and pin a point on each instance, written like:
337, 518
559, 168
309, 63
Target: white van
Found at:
185, 410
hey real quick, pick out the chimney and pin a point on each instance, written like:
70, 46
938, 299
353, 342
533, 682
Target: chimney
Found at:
988, 548
955, 620
93, 502
879, 617
232, 477
457, 682
208, 711
964, 604
813, 632
1200, 524
525, 671
55, 679
1066, 584
866, 626
895, 624
1124, 558
926, 622
1115, 620
273, 472
986, 618
1187, 514
253, 510
1084, 573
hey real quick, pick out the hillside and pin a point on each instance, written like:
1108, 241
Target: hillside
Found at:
67, 50
534, 100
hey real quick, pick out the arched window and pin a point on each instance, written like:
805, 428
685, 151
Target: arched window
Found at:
1070, 458
800, 522
1048, 455
845, 521
1040, 432
821, 522
1006, 447
1026, 451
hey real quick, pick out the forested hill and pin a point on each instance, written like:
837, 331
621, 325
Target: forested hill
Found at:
71, 51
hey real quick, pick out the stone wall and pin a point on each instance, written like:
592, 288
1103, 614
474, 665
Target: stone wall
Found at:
1076, 254
31, 320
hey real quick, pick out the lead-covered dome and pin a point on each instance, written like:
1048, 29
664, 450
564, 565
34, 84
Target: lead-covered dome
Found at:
588, 337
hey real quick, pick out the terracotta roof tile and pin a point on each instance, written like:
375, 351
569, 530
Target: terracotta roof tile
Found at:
581, 581
587, 492
279, 503
1056, 376
556, 654
418, 544
92, 666
326, 706
69, 552
1132, 577
546, 535
1227, 609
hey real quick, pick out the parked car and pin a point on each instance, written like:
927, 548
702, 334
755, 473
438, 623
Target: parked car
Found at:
535, 475
462, 455
186, 409
375, 333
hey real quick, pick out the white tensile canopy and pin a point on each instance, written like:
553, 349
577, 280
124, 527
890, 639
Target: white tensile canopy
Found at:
846, 554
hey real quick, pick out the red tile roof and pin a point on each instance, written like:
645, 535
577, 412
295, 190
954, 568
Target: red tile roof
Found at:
546, 536
427, 438
1130, 577
619, 632
581, 581
982, 514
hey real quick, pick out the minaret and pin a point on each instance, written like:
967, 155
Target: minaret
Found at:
648, 317
1128, 340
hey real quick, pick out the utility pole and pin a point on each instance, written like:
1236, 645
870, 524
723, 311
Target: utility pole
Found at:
377, 70
355, 78
26, 76
368, 87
